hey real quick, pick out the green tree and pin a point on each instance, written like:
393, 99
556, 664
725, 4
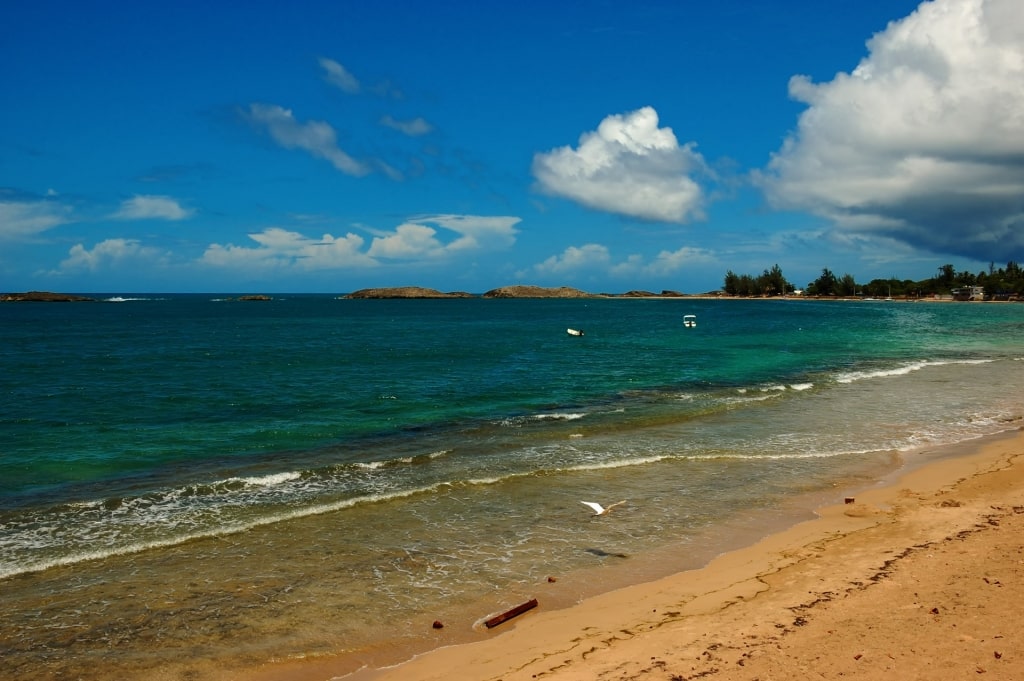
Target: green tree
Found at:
770, 283
773, 283
846, 286
825, 285
747, 286
732, 283
946, 274
965, 279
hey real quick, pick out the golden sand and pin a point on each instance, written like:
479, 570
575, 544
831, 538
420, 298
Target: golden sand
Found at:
919, 579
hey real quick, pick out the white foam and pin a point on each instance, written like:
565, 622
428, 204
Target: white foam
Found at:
903, 370
618, 463
12, 569
518, 421
270, 480
371, 465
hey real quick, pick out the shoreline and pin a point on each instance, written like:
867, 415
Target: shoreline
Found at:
505, 292
829, 592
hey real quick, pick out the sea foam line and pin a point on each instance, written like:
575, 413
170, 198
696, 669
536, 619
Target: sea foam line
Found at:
517, 421
904, 369
121, 299
579, 468
269, 480
11, 570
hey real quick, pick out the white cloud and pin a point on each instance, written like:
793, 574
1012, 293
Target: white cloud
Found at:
23, 219
414, 240
673, 262
338, 75
151, 208
477, 232
923, 142
413, 128
628, 166
408, 241
343, 79
576, 259
316, 137
596, 259
108, 254
282, 249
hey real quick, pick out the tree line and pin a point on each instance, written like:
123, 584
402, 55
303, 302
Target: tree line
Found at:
1002, 282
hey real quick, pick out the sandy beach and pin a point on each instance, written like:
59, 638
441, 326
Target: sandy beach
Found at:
917, 578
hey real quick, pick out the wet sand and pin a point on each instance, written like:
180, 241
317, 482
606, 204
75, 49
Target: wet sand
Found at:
917, 578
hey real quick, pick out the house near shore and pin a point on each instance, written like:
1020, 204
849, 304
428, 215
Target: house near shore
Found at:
968, 293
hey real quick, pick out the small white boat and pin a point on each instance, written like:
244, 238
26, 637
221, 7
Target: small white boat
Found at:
689, 320
574, 332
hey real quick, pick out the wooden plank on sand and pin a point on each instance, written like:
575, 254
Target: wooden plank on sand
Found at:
509, 614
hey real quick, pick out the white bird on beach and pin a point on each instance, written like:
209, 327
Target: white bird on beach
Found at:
599, 509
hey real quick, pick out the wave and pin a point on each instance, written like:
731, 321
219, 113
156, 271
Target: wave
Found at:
778, 387
744, 398
385, 463
238, 504
556, 470
520, 421
11, 569
124, 299
903, 369
270, 480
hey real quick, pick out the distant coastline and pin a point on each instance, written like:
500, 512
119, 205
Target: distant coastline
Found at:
516, 291
44, 297
50, 297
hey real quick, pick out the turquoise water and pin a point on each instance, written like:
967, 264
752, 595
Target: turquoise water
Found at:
306, 476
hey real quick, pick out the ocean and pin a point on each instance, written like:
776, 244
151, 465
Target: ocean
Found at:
192, 486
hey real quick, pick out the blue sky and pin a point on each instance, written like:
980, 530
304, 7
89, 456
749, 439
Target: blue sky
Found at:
610, 146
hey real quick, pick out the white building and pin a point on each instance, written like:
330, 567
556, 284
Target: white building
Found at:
968, 293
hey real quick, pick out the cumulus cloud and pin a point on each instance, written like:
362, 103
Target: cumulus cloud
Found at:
109, 253
151, 208
24, 219
414, 240
596, 259
923, 142
282, 249
575, 259
408, 241
315, 137
417, 239
413, 128
673, 262
628, 166
338, 76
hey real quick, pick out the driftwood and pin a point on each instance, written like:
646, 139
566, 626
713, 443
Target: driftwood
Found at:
509, 614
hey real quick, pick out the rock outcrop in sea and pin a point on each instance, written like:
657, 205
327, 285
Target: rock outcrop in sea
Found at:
405, 292
537, 292
43, 297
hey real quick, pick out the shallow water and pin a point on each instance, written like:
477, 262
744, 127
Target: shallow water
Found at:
190, 485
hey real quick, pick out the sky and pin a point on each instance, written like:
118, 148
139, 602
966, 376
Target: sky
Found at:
611, 146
